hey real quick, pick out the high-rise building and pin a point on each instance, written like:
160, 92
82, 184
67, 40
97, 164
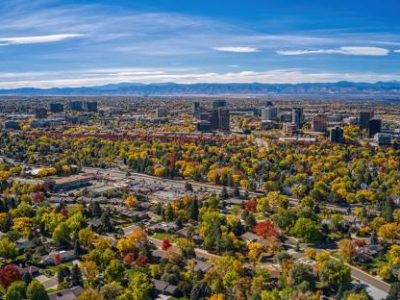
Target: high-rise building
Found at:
90, 106
298, 116
219, 103
224, 119
41, 113
56, 107
374, 126
364, 117
203, 126
196, 109
268, 104
220, 119
269, 113
319, 123
383, 138
75, 105
336, 135
161, 112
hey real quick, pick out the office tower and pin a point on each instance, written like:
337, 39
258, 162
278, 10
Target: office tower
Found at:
363, 119
161, 112
374, 126
336, 135
56, 107
224, 119
75, 105
41, 113
269, 114
219, 103
319, 123
90, 106
268, 104
298, 116
196, 109
220, 119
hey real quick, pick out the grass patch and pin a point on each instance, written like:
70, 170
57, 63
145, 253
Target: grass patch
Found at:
161, 236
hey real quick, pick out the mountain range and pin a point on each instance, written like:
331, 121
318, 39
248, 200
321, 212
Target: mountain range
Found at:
391, 89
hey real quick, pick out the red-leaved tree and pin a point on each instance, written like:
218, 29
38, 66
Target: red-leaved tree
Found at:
166, 244
141, 261
251, 205
266, 229
9, 274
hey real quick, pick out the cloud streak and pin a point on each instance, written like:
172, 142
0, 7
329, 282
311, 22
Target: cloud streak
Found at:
362, 51
237, 49
147, 76
38, 39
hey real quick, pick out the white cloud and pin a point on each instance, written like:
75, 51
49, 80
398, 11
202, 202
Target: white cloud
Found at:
107, 76
237, 49
365, 51
38, 39
397, 51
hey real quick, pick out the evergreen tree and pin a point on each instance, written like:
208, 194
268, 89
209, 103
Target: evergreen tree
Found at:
27, 278
76, 276
224, 194
194, 210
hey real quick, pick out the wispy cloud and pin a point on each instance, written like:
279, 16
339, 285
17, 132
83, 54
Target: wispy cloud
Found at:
364, 51
107, 76
38, 39
237, 49
397, 51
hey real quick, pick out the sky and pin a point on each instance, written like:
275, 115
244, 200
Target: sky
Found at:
70, 43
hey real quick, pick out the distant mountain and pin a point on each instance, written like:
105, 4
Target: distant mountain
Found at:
170, 89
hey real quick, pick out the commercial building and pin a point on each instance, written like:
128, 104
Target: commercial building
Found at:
319, 123
336, 135
218, 104
90, 106
203, 126
374, 126
41, 113
269, 113
56, 107
298, 116
289, 129
12, 125
196, 109
383, 139
220, 119
161, 112
72, 182
364, 117
75, 105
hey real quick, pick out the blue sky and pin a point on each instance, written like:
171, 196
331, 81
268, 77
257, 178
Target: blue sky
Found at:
61, 43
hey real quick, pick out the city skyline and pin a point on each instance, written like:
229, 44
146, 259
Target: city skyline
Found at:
68, 44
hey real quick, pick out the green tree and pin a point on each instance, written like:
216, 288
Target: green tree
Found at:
307, 230
61, 235
334, 275
16, 291
140, 286
76, 276
36, 291
115, 271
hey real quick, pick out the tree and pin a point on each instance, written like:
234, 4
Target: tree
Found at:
27, 278
266, 229
61, 235
301, 274
347, 250
9, 274
90, 294
388, 232
131, 201
16, 291
394, 292
140, 286
335, 275
115, 271
307, 230
8, 248
165, 244
224, 194
194, 210
105, 221
36, 291
89, 270
76, 276
111, 291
